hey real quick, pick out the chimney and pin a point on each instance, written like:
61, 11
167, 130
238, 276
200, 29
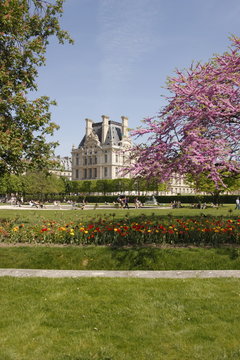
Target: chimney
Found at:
105, 120
88, 127
124, 126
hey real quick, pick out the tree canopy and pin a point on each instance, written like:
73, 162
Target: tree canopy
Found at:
198, 131
42, 183
205, 184
25, 28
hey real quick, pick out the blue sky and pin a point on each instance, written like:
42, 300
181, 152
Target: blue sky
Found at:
123, 53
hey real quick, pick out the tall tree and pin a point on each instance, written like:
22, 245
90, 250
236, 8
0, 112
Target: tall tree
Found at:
199, 129
25, 28
203, 183
42, 183
3, 184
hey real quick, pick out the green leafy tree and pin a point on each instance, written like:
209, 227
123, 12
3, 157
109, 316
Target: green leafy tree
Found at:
3, 184
205, 184
67, 185
11, 184
85, 186
75, 187
121, 185
42, 183
14, 184
139, 184
25, 28
104, 186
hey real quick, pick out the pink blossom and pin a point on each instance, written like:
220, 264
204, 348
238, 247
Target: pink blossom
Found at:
198, 130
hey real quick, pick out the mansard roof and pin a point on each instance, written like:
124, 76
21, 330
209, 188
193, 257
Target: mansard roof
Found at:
114, 134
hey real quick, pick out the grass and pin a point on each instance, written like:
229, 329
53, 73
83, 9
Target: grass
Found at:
108, 258
37, 216
116, 319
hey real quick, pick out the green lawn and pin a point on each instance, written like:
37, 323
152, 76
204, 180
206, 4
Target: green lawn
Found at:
108, 258
116, 319
36, 216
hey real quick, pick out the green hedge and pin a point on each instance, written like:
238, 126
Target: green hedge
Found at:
184, 199
192, 199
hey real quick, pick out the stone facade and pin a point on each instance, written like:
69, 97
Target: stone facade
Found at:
177, 185
65, 166
103, 150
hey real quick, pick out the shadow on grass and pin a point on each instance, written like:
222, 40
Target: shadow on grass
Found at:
198, 258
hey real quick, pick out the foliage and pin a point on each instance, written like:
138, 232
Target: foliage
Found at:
202, 183
37, 183
86, 187
25, 29
10, 183
120, 185
67, 185
162, 200
198, 131
42, 183
3, 184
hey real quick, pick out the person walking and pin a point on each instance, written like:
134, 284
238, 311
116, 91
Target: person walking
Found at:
126, 200
237, 203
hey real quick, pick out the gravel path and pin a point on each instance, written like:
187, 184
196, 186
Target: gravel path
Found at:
184, 274
70, 207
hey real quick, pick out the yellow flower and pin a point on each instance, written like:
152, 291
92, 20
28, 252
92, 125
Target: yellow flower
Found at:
86, 232
62, 228
16, 228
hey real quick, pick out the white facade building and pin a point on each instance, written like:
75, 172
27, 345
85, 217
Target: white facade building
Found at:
103, 150
177, 185
65, 166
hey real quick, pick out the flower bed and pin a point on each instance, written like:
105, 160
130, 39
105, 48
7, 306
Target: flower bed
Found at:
195, 231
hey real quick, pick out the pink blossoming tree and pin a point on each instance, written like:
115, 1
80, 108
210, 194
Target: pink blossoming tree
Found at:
198, 131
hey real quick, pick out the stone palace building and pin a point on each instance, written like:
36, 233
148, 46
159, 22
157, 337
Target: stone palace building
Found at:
103, 151
65, 169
